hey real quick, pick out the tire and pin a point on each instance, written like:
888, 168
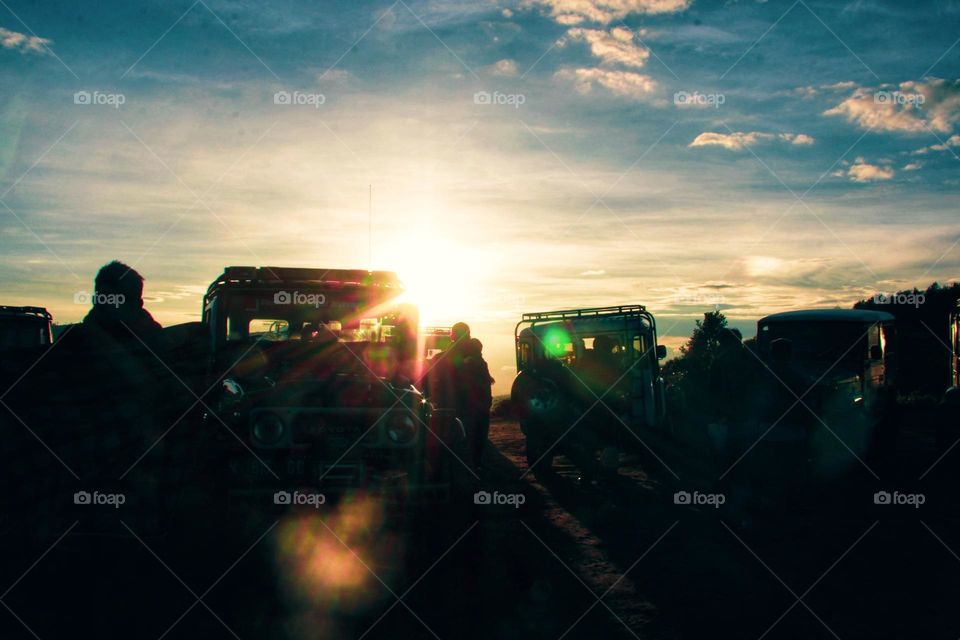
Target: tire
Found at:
538, 459
540, 396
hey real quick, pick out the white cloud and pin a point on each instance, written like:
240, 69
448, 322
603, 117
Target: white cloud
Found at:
952, 141
507, 13
22, 42
797, 138
505, 67
932, 103
621, 83
613, 47
739, 140
862, 171
839, 86
606, 11
593, 272
913, 166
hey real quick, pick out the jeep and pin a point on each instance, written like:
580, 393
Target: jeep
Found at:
24, 328
839, 362
587, 380
311, 371
955, 347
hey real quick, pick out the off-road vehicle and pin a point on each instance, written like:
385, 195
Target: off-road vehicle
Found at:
839, 362
24, 328
311, 372
587, 380
955, 349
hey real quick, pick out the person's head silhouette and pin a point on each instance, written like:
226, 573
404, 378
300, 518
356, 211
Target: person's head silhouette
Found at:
118, 285
460, 332
604, 345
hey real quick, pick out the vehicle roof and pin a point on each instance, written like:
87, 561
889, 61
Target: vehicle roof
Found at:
601, 324
38, 313
272, 277
829, 315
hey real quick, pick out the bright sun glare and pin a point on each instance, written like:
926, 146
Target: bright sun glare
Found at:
443, 279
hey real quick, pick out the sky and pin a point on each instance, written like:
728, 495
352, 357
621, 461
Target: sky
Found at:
503, 157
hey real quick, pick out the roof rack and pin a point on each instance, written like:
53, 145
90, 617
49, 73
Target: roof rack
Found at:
265, 276
629, 309
436, 331
39, 312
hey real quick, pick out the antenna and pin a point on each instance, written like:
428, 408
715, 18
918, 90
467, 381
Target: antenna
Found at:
370, 228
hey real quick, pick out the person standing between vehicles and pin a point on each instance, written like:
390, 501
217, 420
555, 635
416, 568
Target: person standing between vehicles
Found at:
477, 385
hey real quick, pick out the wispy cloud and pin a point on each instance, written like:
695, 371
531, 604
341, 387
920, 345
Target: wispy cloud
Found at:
910, 107
628, 84
606, 11
739, 140
616, 46
23, 43
863, 171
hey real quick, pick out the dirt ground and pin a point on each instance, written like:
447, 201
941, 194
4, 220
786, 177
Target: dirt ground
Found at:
559, 557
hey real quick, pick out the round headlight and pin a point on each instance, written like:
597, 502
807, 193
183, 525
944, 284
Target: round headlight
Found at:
268, 429
401, 429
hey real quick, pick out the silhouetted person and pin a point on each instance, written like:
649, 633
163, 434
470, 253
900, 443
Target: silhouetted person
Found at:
475, 383
443, 372
117, 318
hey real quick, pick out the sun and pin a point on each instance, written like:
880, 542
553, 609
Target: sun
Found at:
442, 278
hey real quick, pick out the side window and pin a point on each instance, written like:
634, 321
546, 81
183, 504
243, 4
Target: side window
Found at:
525, 355
874, 342
640, 346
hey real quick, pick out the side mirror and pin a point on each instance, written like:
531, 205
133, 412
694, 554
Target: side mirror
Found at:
661, 352
876, 353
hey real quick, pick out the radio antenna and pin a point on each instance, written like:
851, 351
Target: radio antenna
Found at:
370, 228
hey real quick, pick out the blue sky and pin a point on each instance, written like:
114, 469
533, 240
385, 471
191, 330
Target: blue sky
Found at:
760, 156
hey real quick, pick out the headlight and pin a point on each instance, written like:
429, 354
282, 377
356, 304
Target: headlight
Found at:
268, 429
232, 389
401, 429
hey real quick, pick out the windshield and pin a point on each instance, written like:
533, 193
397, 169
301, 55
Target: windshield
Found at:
827, 342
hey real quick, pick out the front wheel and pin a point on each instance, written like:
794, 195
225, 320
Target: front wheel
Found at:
539, 458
